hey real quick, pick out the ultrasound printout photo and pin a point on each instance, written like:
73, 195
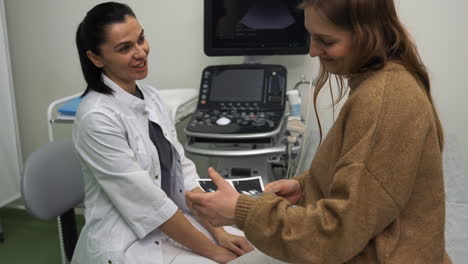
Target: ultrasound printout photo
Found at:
248, 186
207, 185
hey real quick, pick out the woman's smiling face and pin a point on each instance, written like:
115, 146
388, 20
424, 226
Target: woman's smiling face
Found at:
123, 56
332, 44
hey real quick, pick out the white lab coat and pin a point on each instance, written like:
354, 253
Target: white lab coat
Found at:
123, 197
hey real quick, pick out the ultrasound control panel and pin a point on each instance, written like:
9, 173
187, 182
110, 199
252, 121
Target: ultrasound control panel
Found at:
239, 100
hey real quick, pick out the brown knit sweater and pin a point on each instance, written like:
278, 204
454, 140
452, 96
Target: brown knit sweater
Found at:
374, 192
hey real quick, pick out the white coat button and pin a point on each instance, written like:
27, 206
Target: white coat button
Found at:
156, 177
156, 242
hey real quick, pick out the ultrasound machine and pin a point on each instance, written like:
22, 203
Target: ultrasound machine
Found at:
241, 115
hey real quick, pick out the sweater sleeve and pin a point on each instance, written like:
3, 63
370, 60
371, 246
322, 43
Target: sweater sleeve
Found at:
371, 181
302, 178
331, 231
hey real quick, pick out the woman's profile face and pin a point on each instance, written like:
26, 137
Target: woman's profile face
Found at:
332, 44
125, 52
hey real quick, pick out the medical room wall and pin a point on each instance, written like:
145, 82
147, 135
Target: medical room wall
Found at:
46, 67
440, 31
10, 160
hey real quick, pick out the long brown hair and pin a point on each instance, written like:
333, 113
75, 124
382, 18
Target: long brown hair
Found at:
378, 37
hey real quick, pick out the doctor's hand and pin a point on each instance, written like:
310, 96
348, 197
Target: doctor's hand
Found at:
218, 208
236, 244
287, 188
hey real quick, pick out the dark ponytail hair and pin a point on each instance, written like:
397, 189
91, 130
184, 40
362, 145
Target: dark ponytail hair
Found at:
91, 34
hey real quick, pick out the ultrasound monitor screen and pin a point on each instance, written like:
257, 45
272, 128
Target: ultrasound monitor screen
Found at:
234, 85
254, 27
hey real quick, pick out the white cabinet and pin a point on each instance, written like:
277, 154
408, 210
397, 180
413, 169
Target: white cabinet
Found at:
10, 161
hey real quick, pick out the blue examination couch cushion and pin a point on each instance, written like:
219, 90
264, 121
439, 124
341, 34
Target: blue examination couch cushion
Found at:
70, 107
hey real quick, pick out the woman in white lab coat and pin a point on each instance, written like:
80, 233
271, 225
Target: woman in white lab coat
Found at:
135, 171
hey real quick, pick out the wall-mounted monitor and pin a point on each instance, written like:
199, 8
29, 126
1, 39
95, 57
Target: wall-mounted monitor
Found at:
254, 28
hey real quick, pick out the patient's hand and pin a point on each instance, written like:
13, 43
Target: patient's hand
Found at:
287, 188
236, 244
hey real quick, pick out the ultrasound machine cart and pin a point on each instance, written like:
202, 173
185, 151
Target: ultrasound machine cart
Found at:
239, 119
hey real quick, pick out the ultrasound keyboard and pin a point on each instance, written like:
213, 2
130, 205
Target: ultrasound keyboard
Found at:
239, 100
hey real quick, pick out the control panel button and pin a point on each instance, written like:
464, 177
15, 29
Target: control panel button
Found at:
258, 122
223, 121
198, 115
270, 123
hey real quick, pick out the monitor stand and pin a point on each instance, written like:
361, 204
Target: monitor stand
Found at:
253, 59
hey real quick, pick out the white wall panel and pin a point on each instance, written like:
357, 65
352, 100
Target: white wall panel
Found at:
9, 155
